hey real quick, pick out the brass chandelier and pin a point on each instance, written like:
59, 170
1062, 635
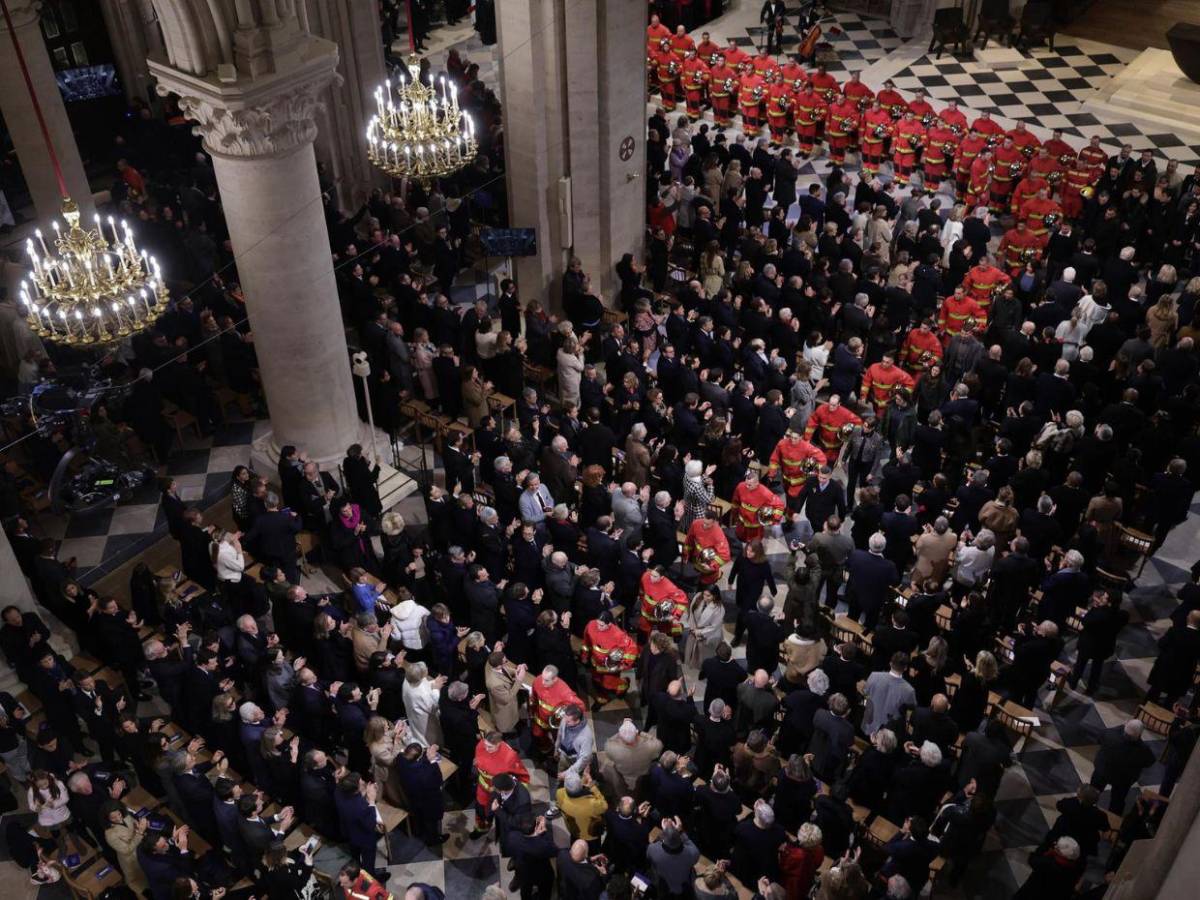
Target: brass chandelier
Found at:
88, 291
419, 132
91, 289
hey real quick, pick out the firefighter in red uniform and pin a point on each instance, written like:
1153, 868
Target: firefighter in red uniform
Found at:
550, 695
873, 136
982, 281
668, 78
661, 603
1027, 188
779, 108
694, 78
954, 119
750, 498
1082, 175
682, 43
1045, 167
827, 423
493, 756
735, 57
793, 459
955, 311
794, 75
752, 90
979, 182
722, 91
988, 128
940, 146
809, 110
1019, 246
842, 129
708, 51
907, 141
707, 548
922, 111
764, 65
656, 54
857, 92
656, 31
1040, 215
824, 84
608, 651
921, 349
969, 150
1024, 140
1063, 157
879, 382
892, 100
1010, 166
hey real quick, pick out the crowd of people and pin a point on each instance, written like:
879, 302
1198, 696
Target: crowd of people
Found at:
893, 460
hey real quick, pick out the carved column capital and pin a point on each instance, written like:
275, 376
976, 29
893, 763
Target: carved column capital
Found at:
254, 117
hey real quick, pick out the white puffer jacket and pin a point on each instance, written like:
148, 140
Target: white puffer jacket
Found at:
408, 619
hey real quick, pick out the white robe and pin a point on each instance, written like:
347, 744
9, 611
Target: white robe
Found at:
421, 701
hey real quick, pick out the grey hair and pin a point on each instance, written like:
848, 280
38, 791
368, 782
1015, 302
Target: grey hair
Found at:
415, 672
457, 690
877, 542
931, 754
764, 813
501, 462
694, 468
1067, 847
818, 682
662, 498
885, 740
638, 431
1045, 504
1133, 729
487, 514
1074, 559
716, 709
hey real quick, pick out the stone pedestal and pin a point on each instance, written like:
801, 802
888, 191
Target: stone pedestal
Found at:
996, 57
574, 95
23, 124
1151, 88
911, 17
259, 131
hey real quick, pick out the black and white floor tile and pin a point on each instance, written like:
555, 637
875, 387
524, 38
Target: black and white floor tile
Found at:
857, 41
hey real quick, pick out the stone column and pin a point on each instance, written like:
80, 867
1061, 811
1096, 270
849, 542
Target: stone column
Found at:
23, 124
260, 133
572, 94
341, 141
127, 30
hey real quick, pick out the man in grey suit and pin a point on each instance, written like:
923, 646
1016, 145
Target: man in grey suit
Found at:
629, 510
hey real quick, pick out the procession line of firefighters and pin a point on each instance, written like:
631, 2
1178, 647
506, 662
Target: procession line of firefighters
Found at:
1009, 171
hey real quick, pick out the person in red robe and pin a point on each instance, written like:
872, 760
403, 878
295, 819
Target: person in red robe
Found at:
880, 380
707, 548
979, 183
1024, 140
1027, 188
907, 141
954, 119
493, 756
608, 651
983, 280
810, 111
956, 310
1010, 165
709, 51
969, 150
722, 92
662, 604
825, 85
779, 108
750, 498
793, 460
549, 697
941, 145
842, 129
828, 422
752, 90
921, 109
857, 92
694, 79
892, 100
668, 78
682, 43
1019, 246
986, 126
921, 349
874, 134
1040, 214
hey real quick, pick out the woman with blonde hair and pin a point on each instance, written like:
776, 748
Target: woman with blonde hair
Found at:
570, 370
800, 861
733, 179
475, 393
971, 698
385, 742
712, 268
1162, 319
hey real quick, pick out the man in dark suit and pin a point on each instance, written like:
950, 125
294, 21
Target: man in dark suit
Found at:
722, 674
596, 443
1013, 577
1122, 758
627, 834
317, 489
510, 800
1178, 652
225, 813
603, 551
579, 878
291, 473
823, 497
871, 578
165, 858
833, 735
201, 685
933, 723
1170, 498
893, 637
197, 793
318, 781
660, 531
273, 538
259, 833
421, 778
1098, 637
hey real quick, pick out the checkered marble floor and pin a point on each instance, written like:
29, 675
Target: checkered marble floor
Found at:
203, 466
858, 41
1047, 93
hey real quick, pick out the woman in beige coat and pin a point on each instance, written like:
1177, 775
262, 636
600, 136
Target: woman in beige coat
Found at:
385, 742
502, 679
999, 517
475, 393
802, 654
637, 457
933, 549
1162, 320
124, 833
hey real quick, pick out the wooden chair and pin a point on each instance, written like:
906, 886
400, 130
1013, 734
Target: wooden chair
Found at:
1137, 542
1037, 25
994, 20
949, 29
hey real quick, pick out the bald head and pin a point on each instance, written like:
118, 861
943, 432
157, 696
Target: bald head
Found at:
761, 678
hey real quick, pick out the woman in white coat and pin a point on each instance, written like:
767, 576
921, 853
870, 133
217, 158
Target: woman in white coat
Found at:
570, 371
704, 624
421, 695
408, 625
952, 230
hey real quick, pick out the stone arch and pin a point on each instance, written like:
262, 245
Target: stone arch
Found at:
197, 33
